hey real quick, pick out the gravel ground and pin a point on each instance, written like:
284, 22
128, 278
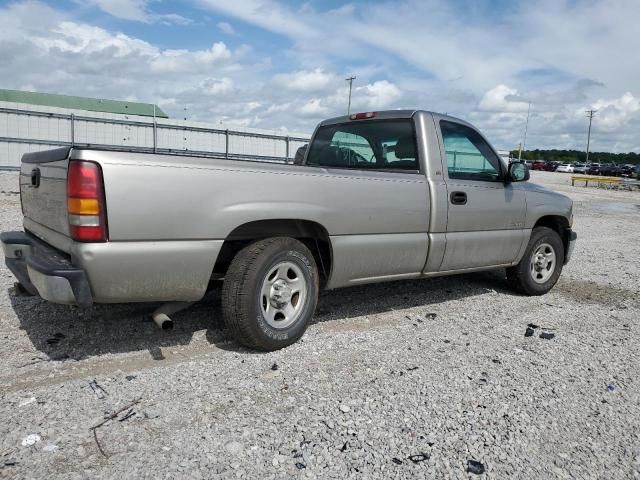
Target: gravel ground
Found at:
399, 380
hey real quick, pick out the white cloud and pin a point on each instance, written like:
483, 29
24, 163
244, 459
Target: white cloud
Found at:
268, 14
217, 86
306, 81
227, 28
125, 9
134, 10
71, 37
380, 94
313, 108
614, 114
188, 60
502, 99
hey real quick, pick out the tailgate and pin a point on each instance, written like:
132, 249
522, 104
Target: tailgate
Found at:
43, 188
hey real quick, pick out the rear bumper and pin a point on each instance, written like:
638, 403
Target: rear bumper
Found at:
571, 237
44, 271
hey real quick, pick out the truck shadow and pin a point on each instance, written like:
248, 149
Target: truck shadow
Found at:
64, 332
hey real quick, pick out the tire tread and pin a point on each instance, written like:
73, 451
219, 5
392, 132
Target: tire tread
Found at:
237, 294
517, 276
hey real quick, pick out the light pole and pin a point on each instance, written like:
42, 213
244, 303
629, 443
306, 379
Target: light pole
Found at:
524, 141
590, 114
350, 80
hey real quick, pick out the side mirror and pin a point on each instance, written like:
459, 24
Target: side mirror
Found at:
518, 172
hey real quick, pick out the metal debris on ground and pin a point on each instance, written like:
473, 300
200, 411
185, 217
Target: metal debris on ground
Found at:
116, 413
97, 389
111, 417
475, 467
127, 416
396, 460
421, 457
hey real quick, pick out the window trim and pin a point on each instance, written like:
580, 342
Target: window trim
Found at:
418, 171
501, 167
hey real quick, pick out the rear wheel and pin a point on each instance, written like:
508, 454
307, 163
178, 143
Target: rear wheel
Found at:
270, 292
541, 265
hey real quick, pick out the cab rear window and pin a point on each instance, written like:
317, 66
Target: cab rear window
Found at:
366, 145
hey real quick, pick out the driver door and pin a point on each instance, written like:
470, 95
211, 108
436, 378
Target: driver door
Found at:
485, 221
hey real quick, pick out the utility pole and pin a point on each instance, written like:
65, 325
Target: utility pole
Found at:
350, 80
524, 141
590, 114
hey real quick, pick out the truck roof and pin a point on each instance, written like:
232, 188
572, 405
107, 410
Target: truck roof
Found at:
388, 114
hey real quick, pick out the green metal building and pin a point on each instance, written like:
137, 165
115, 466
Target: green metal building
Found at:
81, 103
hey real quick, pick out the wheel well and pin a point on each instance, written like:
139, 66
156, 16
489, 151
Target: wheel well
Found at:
312, 234
559, 224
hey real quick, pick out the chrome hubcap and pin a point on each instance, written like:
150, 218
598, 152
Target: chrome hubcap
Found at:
543, 263
283, 295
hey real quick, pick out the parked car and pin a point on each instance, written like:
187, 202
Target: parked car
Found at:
594, 169
609, 170
580, 168
378, 196
538, 165
627, 170
565, 168
551, 166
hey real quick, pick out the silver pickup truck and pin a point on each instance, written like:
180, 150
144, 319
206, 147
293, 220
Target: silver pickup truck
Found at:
377, 196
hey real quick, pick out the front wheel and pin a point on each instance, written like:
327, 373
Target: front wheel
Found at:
541, 265
270, 292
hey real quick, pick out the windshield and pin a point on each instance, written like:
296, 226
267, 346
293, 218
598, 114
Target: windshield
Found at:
375, 145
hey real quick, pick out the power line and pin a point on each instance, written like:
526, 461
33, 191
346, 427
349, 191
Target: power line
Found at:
590, 114
350, 80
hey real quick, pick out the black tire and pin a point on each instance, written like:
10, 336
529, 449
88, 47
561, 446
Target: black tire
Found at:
242, 298
520, 276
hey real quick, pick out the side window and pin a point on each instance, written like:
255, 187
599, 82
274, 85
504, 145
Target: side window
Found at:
469, 156
367, 145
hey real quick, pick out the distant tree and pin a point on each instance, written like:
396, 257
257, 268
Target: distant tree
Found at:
576, 156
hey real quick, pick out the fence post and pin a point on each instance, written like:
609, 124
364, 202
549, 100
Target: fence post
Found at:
226, 143
73, 133
155, 136
287, 151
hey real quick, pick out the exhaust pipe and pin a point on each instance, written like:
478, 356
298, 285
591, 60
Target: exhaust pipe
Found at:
161, 315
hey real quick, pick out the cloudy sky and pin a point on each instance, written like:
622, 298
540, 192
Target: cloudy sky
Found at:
281, 64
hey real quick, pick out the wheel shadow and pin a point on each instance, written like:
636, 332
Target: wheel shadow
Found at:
63, 332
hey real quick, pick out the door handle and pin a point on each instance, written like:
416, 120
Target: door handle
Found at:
458, 198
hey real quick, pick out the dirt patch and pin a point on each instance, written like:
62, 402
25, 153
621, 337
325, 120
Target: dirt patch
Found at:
591, 292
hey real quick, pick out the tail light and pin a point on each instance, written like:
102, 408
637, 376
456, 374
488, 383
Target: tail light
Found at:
85, 202
363, 116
